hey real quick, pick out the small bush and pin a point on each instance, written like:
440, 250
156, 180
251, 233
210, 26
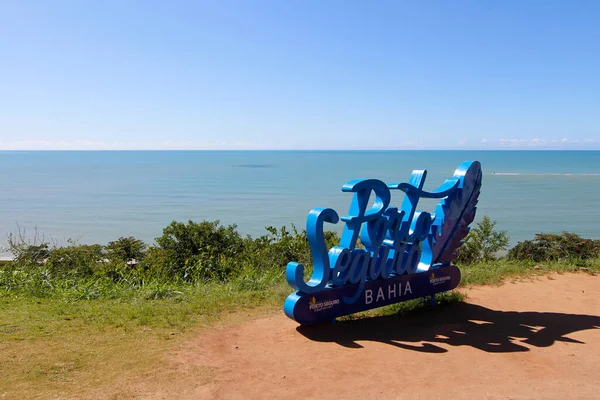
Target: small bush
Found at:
277, 248
126, 249
197, 251
75, 260
482, 243
548, 246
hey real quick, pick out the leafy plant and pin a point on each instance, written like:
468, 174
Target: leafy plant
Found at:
75, 260
197, 251
548, 246
482, 243
126, 249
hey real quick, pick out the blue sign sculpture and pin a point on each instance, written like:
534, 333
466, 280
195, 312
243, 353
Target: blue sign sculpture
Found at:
406, 255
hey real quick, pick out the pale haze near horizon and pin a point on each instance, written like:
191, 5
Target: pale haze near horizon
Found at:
299, 75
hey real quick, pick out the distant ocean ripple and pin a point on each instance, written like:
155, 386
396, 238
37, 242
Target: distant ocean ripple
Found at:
99, 196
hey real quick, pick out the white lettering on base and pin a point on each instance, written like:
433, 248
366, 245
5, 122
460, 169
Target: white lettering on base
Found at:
407, 288
392, 292
380, 295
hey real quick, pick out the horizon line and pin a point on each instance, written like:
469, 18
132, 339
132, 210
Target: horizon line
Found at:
290, 150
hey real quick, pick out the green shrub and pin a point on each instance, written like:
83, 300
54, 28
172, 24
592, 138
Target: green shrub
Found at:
75, 260
126, 249
276, 249
482, 243
197, 251
549, 246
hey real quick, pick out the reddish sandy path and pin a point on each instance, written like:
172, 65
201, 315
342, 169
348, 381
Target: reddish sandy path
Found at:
523, 340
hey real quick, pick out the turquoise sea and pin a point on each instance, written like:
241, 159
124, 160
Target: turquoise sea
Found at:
98, 196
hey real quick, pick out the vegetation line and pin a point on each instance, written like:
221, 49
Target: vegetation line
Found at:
208, 264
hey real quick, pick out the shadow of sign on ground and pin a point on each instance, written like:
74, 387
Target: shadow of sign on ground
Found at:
459, 324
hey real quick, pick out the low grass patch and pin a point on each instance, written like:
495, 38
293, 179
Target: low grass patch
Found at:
59, 346
51, 349
497, 271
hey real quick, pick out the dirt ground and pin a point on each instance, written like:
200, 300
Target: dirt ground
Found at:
525, 340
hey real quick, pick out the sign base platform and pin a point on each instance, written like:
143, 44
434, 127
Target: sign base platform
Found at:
334, 302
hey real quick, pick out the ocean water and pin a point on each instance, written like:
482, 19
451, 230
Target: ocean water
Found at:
95, 197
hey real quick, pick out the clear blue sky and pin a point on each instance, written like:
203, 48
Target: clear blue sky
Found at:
288, 74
